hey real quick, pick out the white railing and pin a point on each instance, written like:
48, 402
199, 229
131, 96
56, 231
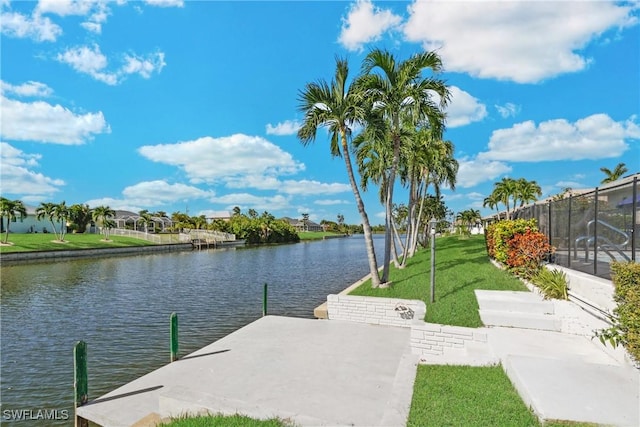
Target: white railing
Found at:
209, 236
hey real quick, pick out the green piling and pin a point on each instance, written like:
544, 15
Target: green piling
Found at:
173, 332
80, 380
264, 301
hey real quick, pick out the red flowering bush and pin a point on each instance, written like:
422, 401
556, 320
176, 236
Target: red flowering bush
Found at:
526, 252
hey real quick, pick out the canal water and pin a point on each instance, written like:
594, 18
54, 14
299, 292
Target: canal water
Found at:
121, 306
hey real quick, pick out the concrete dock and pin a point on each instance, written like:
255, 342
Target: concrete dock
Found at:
308, 371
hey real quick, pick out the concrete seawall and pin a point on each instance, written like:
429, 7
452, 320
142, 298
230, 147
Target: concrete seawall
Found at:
22, 257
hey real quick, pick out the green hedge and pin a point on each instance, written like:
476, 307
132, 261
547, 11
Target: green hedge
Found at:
626, 278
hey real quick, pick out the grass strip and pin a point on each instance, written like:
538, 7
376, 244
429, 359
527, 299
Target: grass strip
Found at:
462, 265
224, 421
46, 242
466, 396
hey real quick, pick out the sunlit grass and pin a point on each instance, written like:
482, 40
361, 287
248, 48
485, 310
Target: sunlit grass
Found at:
462, 265
46, 242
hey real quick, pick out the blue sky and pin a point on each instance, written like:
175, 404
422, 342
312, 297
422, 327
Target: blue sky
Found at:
174, 106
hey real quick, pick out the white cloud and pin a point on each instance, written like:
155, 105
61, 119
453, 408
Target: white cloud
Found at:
155, 193
65, 7
90, 60
288, 127
29, 88
365, 23
260, 203
35, 27
144, 66
463, 108
307, 187
593, 137
522, 41
43, 122
115, 204
233, 158
18, 177
472, 172
328, 202
508, 110
569, 184
165, 3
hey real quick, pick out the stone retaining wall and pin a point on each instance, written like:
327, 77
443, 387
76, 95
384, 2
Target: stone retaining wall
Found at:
376, 311
434, 339
84, 253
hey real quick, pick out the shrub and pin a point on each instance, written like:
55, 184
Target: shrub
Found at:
526, 252
552, 283
499, 233
626, 329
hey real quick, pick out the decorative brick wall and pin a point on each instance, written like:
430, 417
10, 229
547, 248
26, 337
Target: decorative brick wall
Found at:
434, 339
376, 311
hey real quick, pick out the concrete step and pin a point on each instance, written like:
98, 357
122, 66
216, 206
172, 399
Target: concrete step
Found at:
543, 322
514, 301
558, 389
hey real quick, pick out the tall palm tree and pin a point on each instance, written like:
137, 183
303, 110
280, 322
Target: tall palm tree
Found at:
504, 191
615, 174
61, 213
47, 210
400, 94
491, 202
12, 209
526, 191
102, 215
338, 107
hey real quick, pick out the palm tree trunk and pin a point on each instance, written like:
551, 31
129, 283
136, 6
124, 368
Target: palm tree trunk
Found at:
388, 209
366, 226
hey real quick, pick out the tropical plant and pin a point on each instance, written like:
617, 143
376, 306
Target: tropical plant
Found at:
80, 217
12, 210
47, 210
552, 283
338, 107
526, 252
61, 214
102, 215
468, 218
404, 99
615, 174
526, 191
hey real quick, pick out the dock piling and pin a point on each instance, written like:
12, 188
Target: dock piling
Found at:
173, 332
80, 381
264, 301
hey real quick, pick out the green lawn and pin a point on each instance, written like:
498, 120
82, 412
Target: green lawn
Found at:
225, 421
316, 235
462, 266
45, 242
466, 396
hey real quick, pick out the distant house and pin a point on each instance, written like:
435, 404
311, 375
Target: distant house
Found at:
302, 226
132, 221
30, 224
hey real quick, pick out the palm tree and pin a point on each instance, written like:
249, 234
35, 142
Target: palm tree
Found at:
12, 209
102, 215
61, 213
615, 174
526, 191
47, 210
504, 190
400, 94
80, 216
338, 107
491, 202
